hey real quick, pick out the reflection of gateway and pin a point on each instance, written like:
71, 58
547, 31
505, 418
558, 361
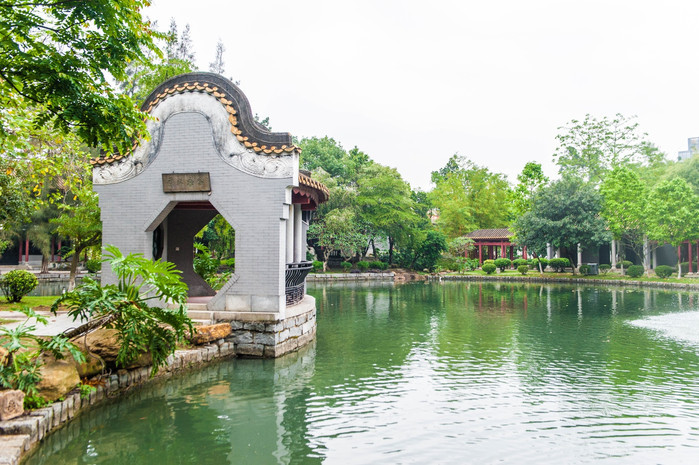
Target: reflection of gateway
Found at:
207, 155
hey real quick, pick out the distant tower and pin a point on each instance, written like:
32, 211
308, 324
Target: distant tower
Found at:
693, 147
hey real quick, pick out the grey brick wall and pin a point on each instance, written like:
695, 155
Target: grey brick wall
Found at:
253, 205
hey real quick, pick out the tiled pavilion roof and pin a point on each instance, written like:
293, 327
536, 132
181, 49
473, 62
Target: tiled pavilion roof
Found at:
491, 234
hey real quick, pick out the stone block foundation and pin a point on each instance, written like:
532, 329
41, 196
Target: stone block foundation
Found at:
270, 335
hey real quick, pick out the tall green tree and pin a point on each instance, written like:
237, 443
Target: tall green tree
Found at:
81, 223
591, 147
60, 55
470, 197
530, 180
623, 206
565, 214
384, 201
338, 232
671, 214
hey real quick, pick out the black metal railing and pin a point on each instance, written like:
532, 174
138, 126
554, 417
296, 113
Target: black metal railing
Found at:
295, 279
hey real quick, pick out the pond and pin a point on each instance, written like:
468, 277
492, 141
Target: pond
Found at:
459, 372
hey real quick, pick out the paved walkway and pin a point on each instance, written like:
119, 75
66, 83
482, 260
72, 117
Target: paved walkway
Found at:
56, 324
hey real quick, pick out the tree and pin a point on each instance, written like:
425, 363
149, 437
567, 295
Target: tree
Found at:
623, 206
218, 66
144, 75
565, 214
60, 55
384, 202
423, 249
671, 214
185, 48
338, 232
328, 154
531, 179
80, 223
590, 148
470, 197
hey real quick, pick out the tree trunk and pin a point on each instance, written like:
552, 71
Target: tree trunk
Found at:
326, 255
679, 266
373, 248
73, 269
390, 250
572, 262
44, 264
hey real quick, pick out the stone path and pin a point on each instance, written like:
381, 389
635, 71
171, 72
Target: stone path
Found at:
56, 324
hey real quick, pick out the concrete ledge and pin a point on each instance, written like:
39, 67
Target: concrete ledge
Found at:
386, 276
539, 279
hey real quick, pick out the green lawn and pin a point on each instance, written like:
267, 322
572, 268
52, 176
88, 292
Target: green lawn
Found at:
28, 301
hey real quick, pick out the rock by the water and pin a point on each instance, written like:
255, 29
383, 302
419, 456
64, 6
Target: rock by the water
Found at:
105, 343
58, 378
11, 404
208, 333
93, 365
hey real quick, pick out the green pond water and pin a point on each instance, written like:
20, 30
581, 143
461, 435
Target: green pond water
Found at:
459, 372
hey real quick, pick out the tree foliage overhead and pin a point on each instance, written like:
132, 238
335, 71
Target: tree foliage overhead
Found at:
591, 147
59, 55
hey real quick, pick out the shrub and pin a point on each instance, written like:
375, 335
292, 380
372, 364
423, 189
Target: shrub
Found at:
517, 262
664, 271
604, 268
16, 284
93, 265
685, 267
503, 263
534, 263
584, 269
378, 265
523, 269
635, 271
317, 266
559, 264
489, 268
489, 262
471, 264
625, 262
125, 307
363, 266
346, 266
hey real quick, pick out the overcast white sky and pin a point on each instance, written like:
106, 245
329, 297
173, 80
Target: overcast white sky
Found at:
413, 82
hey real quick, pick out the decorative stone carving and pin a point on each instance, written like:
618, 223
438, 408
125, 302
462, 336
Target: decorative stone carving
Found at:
266, 166
11, 404
229, 147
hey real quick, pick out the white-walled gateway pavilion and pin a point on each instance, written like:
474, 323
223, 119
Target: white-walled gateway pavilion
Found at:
207, 155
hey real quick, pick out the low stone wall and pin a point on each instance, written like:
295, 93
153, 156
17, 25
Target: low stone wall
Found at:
386, 275
261, 334
19, 435
539, 279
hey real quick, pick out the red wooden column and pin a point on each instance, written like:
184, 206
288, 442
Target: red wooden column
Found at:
502, 250
26, 250
524, 252
480, 254
689, 254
